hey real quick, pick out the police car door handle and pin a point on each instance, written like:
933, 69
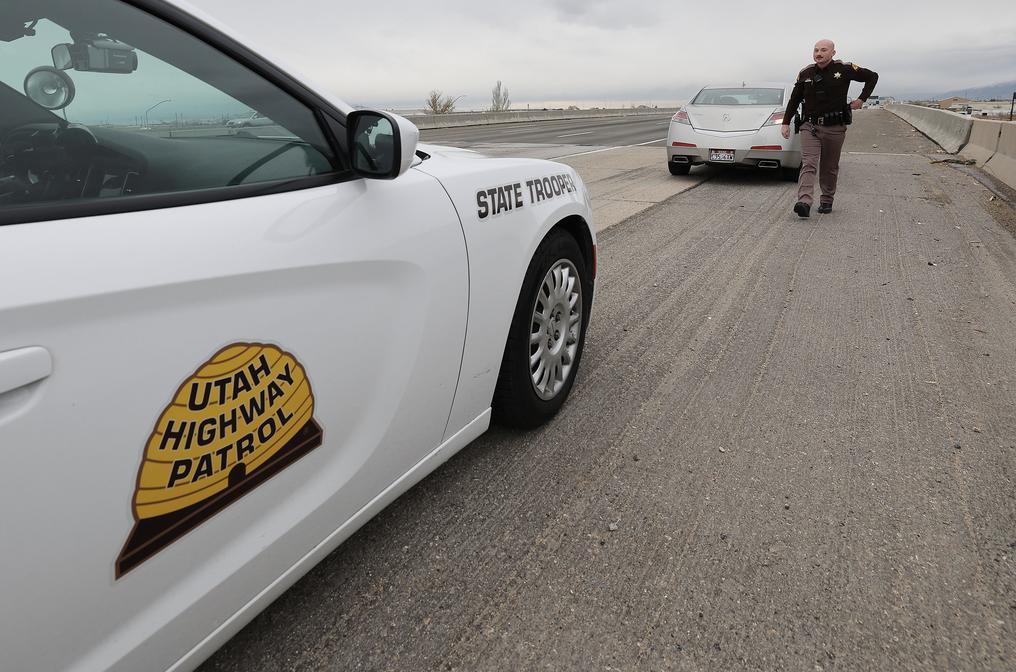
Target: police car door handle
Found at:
23, 367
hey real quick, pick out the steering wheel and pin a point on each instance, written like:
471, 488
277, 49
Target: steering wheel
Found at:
14, 172
36, 158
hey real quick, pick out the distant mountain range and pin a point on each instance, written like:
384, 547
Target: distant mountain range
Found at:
1003, 91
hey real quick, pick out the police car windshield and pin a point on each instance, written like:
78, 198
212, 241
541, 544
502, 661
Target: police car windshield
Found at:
739, 96
132, 72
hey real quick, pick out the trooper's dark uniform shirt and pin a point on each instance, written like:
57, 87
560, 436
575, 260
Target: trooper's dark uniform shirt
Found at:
824, 90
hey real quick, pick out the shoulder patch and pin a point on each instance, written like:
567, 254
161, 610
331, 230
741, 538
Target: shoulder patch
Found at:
855, 66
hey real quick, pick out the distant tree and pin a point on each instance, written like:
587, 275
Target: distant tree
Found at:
438, 103
499, 100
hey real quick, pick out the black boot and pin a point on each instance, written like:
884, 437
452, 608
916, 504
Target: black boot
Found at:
802, 209
825, 208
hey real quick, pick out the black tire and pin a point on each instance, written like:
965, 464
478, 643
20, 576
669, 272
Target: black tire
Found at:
516, 401
679, 168
791, 174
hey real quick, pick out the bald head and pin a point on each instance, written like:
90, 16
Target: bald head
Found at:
824, 52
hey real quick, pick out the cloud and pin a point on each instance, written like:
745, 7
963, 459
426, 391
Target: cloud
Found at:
605, 49
606, 14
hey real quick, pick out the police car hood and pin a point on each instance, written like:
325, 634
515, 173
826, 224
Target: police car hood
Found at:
448, 152
484, 187
445, 162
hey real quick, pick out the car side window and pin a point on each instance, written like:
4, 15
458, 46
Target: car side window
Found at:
100, 100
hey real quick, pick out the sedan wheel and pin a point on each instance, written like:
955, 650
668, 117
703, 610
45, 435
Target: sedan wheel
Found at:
547, 333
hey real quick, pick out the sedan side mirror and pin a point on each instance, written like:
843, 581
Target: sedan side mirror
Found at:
381, 145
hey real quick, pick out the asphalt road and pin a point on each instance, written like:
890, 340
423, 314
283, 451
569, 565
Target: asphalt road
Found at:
618, 158
608, 131
790, 447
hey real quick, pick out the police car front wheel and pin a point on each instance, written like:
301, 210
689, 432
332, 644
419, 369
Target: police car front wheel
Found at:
547, 334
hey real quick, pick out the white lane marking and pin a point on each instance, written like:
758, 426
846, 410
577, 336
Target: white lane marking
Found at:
605, 149
516, 131
572, 135
595, 151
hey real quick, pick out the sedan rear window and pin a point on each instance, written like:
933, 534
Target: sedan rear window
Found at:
740, 96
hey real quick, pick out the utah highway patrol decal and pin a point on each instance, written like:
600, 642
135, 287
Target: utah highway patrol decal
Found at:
243, 416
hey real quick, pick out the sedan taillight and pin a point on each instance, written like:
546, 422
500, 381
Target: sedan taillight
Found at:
681, 117
775, 118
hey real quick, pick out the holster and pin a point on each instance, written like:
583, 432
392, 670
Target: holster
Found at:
798, 120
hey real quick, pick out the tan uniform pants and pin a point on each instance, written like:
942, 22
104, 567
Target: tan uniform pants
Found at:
820, 152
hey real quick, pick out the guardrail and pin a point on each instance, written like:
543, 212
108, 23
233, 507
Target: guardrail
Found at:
992, 144
948, 129
1002, 163
983, 141
483, 118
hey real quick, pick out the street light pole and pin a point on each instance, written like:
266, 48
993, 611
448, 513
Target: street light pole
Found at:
168, 100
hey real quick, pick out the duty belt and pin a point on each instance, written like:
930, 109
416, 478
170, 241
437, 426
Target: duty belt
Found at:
828, 119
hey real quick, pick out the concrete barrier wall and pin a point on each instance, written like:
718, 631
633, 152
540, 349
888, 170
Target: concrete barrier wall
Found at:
484, 118
950, 130
1003, 164
983, 141
991, 143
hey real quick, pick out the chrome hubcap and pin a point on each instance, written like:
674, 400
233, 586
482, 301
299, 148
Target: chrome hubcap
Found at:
555, 329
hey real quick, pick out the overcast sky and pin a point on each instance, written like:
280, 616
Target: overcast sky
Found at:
393, 52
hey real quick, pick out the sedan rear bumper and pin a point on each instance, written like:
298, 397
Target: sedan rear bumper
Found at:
742, 157
686, 144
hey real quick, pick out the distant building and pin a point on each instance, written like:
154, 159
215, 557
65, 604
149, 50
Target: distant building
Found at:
955, 101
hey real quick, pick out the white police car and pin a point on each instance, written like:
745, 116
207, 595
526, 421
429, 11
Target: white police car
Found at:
221, 354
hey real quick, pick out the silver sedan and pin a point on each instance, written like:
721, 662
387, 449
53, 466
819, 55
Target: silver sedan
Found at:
734, 125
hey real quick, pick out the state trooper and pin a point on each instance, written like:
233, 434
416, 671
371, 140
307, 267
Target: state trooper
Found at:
823, 123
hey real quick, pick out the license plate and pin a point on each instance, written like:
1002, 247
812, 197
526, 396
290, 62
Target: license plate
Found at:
721, 155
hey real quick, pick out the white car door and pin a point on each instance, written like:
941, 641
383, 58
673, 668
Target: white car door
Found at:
214, 349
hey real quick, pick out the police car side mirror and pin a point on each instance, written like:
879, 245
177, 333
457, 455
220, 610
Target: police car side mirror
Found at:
381, 145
